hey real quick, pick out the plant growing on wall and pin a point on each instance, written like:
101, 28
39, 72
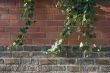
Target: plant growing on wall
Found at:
28, 16
79, 17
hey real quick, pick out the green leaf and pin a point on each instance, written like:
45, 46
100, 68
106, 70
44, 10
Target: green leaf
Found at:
28, 23
23, 30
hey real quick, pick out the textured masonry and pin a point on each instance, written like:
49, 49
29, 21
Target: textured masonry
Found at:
50, 21
34, 59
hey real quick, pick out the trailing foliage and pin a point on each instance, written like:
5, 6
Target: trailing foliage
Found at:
28, 16
80, 17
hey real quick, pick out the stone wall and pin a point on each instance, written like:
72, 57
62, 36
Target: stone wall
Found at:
50, 22
34, 59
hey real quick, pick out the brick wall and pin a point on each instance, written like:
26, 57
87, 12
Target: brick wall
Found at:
33, 59
49, 23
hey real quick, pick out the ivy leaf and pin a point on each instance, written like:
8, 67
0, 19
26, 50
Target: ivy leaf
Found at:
23, 30
30, 15
28, 23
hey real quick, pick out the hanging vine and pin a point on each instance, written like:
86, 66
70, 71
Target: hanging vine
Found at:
28, 16
80, 17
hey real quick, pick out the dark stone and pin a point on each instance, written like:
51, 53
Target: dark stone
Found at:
47, 61
2, 67
74, 68
39, 54
34, 61
57, 68
1, 61
11, 61
22, 54
28, 48
66, 61
102, 61
87, 61
105, 68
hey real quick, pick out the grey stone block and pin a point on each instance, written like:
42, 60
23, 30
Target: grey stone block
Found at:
1, 61
57, 68
66, 61
22, 54
2, 67
10, 61
74, 68
34, 61
5, 54
47, 61
39, 54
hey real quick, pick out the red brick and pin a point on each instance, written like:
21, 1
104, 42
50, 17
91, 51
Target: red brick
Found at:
52, 29
55, 23
4, 10
14, 16
5, 41
103, 35
102, 16
42, 29
5, 35
48, 11
74, 41
12, 29
17, 23
33, 29
59, 17
2, 29
40, 23
13, 35
28, 41
104, 23
103, 29
45, 16
4, 22
38, 35
52, 35
41, 41
50, 21
15, 10
5, 17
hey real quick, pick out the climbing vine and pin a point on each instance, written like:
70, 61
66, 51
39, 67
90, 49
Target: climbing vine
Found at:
79, 17
28, 16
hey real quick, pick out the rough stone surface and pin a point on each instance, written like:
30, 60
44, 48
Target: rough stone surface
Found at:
34, 59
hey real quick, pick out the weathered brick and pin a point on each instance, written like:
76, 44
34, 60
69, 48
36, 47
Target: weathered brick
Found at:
2, 67
105, 68
74, 68
1, 61
26, 61
5, 54
66, 61
57, 68
21, 54
39, 54
86, 61
34, 61
102, 61
11, 61
47, 61
42, 68
3, 48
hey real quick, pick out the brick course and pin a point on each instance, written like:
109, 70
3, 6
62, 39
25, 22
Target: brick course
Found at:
34, 59
50, 21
